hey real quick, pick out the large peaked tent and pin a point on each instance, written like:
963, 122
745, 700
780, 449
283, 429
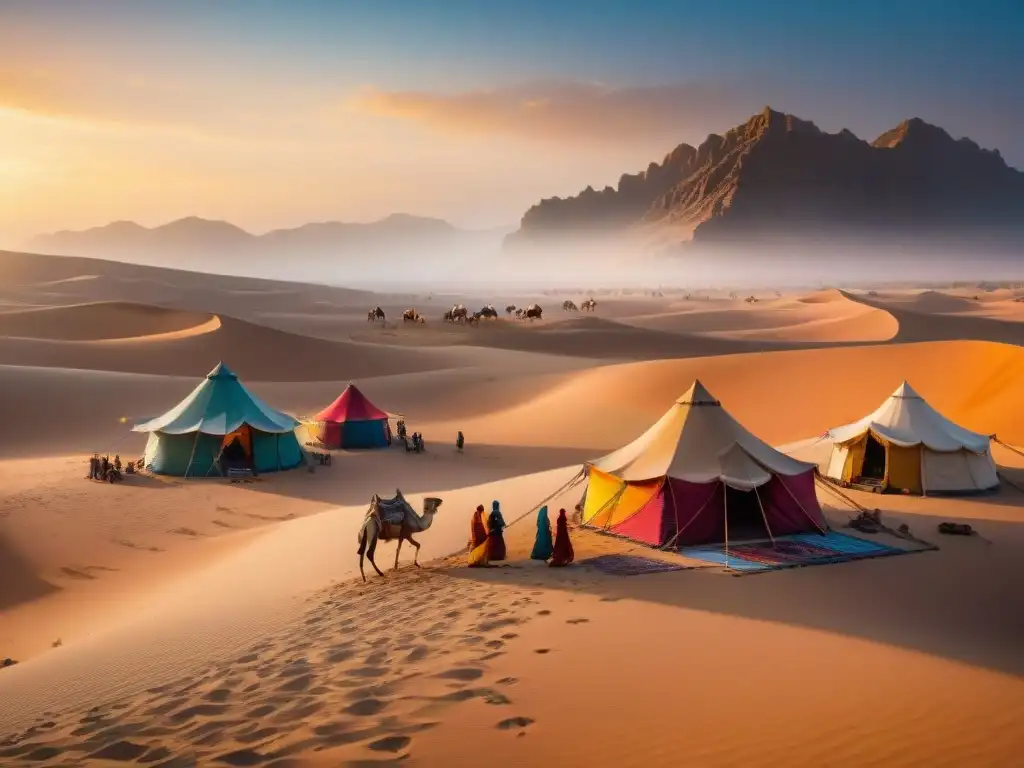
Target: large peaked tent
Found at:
351, 421
906, 445
188, 440
697, 477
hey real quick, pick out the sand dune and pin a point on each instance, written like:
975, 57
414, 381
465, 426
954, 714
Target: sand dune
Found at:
102, 321
208, 622
827, 296
823, 317
996, 305
918, 325
782, 396
254, 351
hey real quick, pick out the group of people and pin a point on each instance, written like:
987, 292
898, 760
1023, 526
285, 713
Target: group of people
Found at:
105, 470
412, 444
487, 539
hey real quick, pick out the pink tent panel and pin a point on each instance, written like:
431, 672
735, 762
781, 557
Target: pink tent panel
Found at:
647, 524
699, 509
351, 405
791, 504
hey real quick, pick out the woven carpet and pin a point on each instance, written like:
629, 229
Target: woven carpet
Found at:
631, 565
792, 551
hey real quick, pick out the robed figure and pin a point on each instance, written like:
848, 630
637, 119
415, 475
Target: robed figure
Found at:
563, 554
542, 544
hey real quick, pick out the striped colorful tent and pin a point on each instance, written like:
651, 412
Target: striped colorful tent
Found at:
906, 445
351, 421
697, 477
220, 423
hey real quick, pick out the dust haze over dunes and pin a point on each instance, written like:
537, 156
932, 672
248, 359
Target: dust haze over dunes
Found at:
203, 619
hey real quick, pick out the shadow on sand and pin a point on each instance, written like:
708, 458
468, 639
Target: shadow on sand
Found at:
20, 584
354, 476
962, 602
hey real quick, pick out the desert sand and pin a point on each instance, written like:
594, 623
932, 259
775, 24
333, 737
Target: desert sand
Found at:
169, 622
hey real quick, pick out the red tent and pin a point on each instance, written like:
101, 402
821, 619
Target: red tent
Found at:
352, 421
351, 405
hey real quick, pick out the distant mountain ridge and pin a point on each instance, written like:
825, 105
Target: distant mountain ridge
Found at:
193, 233
780, 176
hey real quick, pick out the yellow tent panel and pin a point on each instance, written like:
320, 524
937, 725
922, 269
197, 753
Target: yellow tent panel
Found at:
854, 464
903, 467
609, 503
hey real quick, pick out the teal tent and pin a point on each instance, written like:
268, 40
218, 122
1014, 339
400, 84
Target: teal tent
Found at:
220, 425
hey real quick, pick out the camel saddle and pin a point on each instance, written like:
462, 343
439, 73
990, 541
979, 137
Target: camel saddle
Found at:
390, 512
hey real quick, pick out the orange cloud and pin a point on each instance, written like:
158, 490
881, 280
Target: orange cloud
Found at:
113, 101
572, 111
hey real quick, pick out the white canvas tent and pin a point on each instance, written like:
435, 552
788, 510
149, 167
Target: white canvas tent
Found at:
697, 440
906, 445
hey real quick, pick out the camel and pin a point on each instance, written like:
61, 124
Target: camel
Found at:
519, 313
487, 311
412, 316
375, 314
510, 309
391, 519
534, 312
569, 306
589, 305
457, 314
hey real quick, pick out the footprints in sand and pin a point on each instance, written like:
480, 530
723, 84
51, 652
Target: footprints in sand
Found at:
345, 681
390, 744
462, 673
85, 572
419, 653
366, 707
121, 751
140, 547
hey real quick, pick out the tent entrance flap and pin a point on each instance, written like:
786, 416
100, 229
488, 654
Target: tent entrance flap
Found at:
236, 448
746, 517
874, 459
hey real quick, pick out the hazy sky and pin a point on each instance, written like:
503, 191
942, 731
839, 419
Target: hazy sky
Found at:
272, 114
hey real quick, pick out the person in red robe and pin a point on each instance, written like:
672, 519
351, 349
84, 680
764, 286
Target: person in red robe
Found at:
563, 554
478, 544
495, 526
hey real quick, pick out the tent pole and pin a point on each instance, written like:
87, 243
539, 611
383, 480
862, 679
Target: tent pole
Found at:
675, 509
921, 462
680, 532
765, 516
612, 502
193, 454
725, 508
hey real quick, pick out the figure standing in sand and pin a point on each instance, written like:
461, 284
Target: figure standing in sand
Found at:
495, 526
563, 554
478, 543
542, 545
460, 441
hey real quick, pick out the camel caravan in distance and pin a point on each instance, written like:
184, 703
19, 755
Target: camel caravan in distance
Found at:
588, 305
459, 313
